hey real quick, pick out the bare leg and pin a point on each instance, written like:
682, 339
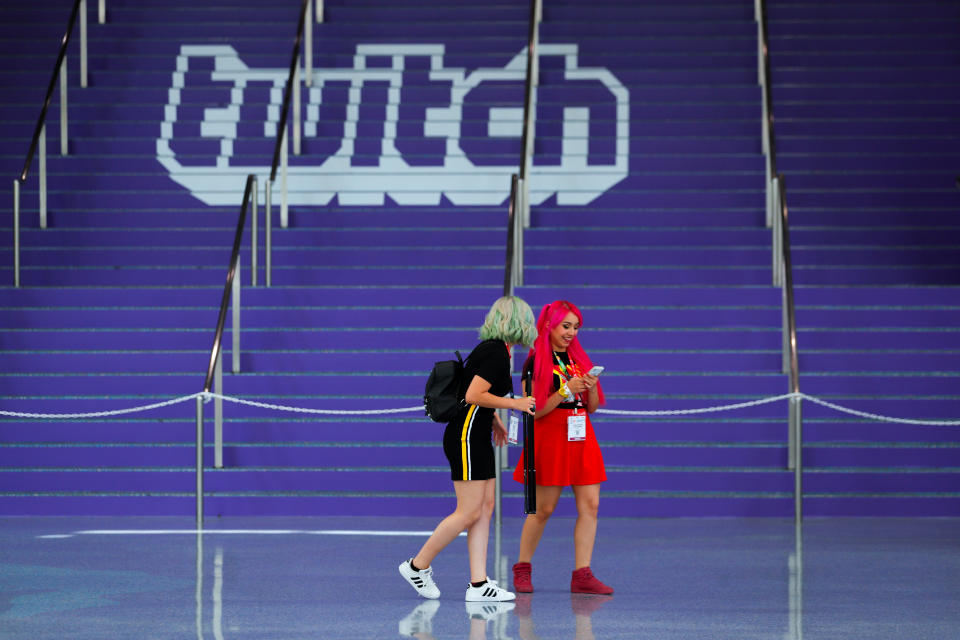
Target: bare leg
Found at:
469, 505
585, 531
479, 533
534, 523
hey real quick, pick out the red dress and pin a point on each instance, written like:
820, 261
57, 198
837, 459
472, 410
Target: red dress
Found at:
558, 461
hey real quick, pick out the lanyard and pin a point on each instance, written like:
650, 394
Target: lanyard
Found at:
564, 375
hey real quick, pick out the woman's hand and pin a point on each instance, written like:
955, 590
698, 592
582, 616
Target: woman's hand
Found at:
527, 404
579, 385
499, 431
590, 381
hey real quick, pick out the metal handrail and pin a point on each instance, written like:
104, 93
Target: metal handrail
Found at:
778, 219
513, 233
519, 205
58, 67
280, 150
291, 81
769, 139
214, 375
790, 335
233, 274
518, 217
39, 139
527, 137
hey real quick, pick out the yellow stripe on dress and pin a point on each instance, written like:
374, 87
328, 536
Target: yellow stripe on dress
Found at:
465, 442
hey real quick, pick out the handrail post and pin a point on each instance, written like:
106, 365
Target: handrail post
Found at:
253, 234
43, 177
768, 193
268, 230
296, 110
308, 48
83, 43
518, 251
777, 237
284, 209
218, 413
786, 337
16, 232
199, 461
63, 108
535, 75
510, 272
102, 11
319, 11
235, 328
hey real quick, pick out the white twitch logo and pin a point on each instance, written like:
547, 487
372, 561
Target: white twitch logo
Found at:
574, 180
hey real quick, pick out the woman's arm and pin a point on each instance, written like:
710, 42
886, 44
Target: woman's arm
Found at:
592, 395
575, 385
478, 393
586, 385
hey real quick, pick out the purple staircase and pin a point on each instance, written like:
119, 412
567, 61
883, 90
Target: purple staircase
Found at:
670, 263
864, 97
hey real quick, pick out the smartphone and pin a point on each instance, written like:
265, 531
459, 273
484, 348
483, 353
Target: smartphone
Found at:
595, 370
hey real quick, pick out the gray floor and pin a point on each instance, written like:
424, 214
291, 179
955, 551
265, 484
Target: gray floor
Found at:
153, 578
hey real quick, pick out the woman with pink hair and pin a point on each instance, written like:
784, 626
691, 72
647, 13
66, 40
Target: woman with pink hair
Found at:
565, 446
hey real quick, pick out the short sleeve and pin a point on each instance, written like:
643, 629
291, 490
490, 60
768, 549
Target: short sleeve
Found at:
491, 361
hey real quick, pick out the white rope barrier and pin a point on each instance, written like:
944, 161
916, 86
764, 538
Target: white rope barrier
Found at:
207, 396
684, 412
331, 412
100, 414
874, 416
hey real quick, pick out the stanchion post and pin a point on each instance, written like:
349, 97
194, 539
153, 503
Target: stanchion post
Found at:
529, 462
199, 462
498, 457
102, 11
796, 428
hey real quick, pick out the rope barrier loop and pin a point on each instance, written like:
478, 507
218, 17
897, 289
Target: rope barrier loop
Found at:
208, 396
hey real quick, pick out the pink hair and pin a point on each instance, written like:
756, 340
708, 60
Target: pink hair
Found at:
542, 351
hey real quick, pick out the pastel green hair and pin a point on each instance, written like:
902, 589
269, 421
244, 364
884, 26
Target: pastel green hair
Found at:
510, 319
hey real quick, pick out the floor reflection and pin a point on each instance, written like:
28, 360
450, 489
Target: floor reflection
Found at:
676, 580
583, 606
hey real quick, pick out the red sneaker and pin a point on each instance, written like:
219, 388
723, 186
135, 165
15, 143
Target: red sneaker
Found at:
583, 581
521, 577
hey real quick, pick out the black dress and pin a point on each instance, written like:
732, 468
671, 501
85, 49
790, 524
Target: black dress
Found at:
467, 438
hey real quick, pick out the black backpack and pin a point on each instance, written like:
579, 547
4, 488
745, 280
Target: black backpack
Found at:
443, 395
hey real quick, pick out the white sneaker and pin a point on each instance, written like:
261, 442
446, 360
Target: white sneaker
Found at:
488, 592
421, 581
488, 610
420, 619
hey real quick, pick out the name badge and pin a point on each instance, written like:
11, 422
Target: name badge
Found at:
577, 427
513, 428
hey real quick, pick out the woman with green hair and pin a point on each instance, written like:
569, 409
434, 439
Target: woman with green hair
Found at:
467, 445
